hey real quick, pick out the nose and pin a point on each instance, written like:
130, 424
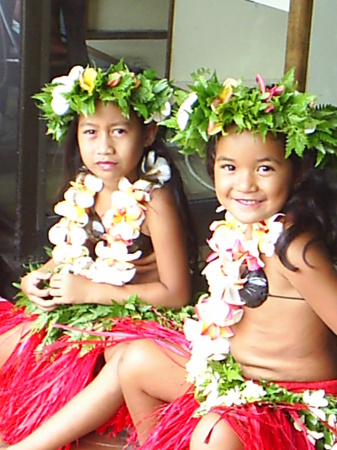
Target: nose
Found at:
104, 145
245, 181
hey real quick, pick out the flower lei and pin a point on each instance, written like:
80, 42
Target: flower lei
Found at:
210, 106
77, 93
119, 228
217, 378
217, 312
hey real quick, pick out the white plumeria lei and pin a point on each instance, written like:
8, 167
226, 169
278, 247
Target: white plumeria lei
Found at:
217, 378
120, 225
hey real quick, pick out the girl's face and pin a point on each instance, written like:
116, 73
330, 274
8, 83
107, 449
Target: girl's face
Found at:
111, 145
252, 178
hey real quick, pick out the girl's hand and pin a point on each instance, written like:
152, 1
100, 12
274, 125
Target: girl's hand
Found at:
32, 286
67, 289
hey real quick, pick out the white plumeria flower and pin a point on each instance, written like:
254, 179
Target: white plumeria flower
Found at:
85, 199
156, 168
192, 329
160, 115
93, 183
253, 391
70, 195
195, 367
185, 110
117, 251
72, 212
118, 274
67, 253
78, 236
82, 265
71, 78
57, 234
315, 398
59, 104
225, 286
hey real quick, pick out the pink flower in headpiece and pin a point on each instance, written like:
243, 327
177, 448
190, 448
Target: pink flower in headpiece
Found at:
261, 82
114, 79
274, 91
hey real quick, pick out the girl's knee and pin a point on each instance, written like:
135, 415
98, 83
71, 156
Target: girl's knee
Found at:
214, 433
137, 359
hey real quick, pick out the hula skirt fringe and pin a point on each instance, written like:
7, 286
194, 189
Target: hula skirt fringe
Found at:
35, 381
259, 427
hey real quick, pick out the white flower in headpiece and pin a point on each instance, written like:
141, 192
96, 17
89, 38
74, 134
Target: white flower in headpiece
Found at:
70, 79
160, 115
185, 110
59, 103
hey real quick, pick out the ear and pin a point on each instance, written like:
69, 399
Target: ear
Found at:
150, 133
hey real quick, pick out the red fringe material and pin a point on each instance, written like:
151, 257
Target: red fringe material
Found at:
35, 385
258, 427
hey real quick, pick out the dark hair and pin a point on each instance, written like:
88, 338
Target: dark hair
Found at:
311, 206
72, 163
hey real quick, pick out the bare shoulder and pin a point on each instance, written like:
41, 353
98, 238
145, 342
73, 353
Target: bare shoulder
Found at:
315, 277
162, 198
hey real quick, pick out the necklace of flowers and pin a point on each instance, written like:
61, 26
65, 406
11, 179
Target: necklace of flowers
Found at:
217, 378
120, 225
217, 311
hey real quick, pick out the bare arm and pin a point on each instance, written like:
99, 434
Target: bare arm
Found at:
171, 288
315, 281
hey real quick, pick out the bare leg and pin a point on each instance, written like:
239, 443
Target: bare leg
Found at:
10, 339
88, 410
150, 376
221, 437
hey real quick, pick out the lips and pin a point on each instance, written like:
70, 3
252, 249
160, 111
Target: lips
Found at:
106, 165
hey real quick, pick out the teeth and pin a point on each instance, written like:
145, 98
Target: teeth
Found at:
248, 202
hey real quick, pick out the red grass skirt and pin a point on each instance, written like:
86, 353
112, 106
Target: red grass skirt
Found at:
34, 385
258, 427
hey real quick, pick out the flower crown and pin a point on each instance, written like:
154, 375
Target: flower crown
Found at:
76, 93
210, 106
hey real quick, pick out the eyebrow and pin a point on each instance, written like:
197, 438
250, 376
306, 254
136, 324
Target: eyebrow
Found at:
260, 160
86, 123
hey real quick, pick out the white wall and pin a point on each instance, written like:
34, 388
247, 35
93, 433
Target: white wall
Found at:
322, 73
235, 37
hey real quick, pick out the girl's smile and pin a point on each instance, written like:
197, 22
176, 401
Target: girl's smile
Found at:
252, 178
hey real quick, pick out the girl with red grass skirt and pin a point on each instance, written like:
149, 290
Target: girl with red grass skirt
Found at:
262, 374
123, 232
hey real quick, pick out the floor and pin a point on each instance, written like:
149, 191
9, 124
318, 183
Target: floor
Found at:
94, 441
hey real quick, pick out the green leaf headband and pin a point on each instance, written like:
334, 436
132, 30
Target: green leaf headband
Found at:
210, 107
76, 93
